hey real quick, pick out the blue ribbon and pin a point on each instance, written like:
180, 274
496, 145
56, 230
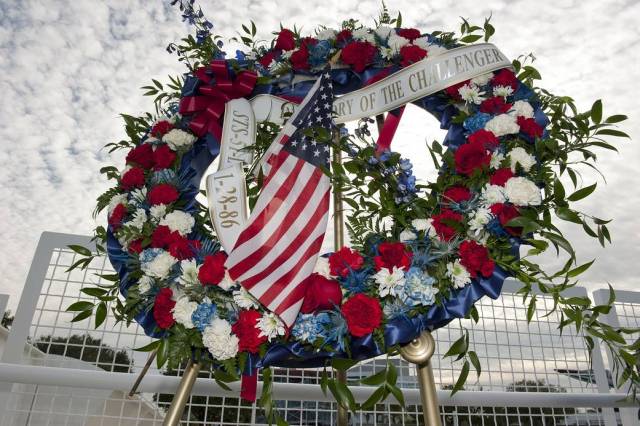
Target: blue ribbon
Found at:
398, 331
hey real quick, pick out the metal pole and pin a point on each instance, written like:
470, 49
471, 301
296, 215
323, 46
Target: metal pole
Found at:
134, 388
338, 242
419, 352
181, 396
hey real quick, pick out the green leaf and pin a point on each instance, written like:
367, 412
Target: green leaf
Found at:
80, 306
582, 192
459, 347
80, 250
596, 112
470, 38
580, 269
613, 132
376, 396
569, 215
616, 118
397, 394
343, 364
82, 315
375, 379
462, 378
148, 348
93, 291
101, 314
475, 361
163, 353
531, 309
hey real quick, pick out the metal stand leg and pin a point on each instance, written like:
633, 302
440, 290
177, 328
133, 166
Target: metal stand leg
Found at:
134, 388
182, 394
419, 352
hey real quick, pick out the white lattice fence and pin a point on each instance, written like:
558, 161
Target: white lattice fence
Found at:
516, 356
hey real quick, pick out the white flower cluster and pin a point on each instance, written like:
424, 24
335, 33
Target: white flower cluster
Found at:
389, 283
220, 340
270, 326
179, 221
179, 139
183, 310
243, 299
160, 265
189, 273
458, 274
503, 124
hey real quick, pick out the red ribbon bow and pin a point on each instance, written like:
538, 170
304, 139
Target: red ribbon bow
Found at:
217, 88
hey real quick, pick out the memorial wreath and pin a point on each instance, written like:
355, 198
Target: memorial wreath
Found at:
244, 289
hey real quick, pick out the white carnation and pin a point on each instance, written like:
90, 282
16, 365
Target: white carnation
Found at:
522, 192
471, 94
502, 124
138, 220
389, 282
422, 42
160, 266
492, 194
384, 31
322, 267
458, 274
327, 34
396, 42
226, 283
407, 235
521, 109
425, 225
219, 340
503, 91
178, 139
520, 156
482, 79
144, 284
244, 300
179, 221
496, 160
138, 196
115, 200
360, 33
157, 212
270, 326
183, 310
189, 275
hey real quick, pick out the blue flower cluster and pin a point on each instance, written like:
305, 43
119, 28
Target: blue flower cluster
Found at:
203, 315
309, 327
418, 288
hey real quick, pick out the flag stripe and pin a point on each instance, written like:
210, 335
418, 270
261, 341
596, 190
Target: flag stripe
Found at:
287, 247
280, 223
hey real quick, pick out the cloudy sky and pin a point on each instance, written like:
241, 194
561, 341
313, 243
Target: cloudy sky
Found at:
70, 67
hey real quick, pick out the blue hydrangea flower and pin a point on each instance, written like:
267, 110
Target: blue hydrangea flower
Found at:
476, 122
418, 288
203, 315
395, 309
318, 53
149, 254
405, 164
308, 327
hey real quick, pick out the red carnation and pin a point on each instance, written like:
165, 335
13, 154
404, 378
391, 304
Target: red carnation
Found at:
212, 270
392, 254
475, 258
411, 54
495, 105
133, 178
162, 308
135, 246
470, 157
246, 328
453, 91
286, 40
343, 261
141, 155
505, 77
343, 36
163, 157
118, 213
181, 248
161, 237
484, 137
321, 294
266, 60
456, 194
501, 176
163, 194
442, 223
529, 127
409, 33
362, 313
300, 58
358, 54
161, 128
505, 213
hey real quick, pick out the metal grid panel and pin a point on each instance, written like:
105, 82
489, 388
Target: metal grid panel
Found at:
509, 349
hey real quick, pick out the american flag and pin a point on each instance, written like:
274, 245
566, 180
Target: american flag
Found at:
279, 246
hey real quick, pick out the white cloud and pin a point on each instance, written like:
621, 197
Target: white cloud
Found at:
69, 68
